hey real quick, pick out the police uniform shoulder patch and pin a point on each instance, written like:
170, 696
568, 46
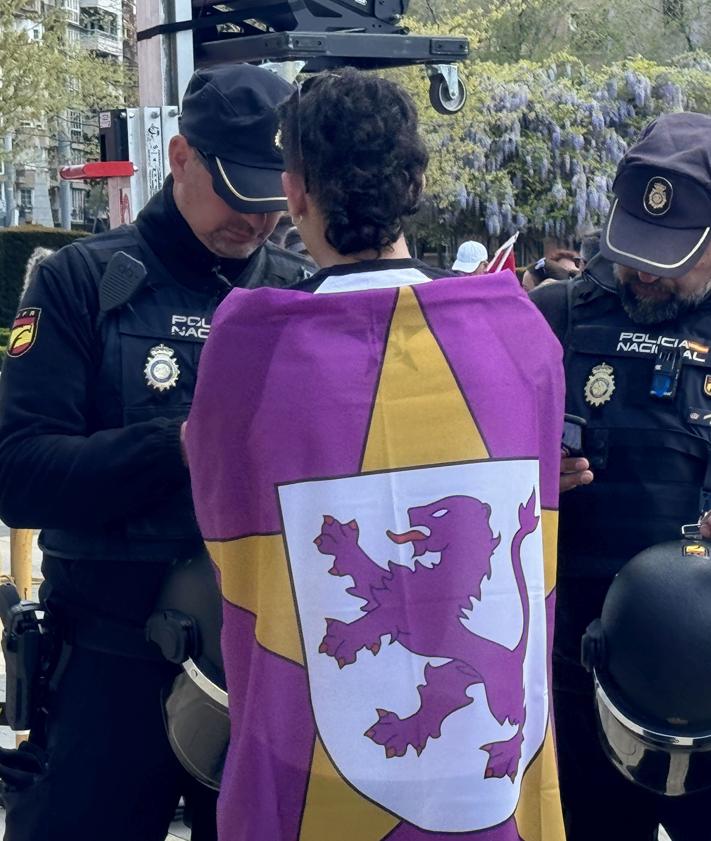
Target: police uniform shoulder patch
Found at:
600, 385
161, 370
23, 332
707, 385
658, 196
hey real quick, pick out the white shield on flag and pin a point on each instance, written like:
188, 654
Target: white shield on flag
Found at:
421, 604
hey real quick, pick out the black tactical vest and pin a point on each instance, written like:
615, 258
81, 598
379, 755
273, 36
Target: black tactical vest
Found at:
131, 386
650, 454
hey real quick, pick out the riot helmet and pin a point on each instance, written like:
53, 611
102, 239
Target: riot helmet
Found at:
186, 626
650, 655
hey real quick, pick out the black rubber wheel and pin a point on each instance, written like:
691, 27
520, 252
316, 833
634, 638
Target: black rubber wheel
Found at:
440, 99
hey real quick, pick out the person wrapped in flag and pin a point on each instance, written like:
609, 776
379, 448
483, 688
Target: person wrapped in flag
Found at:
375, 472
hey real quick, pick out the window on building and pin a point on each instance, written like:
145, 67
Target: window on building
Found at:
78, 202
71, 7
75, 123
78, 157
673, 9
26, 199
100, 21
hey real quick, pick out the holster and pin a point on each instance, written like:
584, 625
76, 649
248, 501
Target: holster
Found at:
28, 646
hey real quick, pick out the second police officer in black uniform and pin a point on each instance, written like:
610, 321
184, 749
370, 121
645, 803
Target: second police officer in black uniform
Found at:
98, 379
636, 328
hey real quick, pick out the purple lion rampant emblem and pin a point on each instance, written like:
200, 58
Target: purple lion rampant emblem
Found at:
458, 528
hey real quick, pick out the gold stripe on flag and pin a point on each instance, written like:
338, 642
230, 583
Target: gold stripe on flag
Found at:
420, 415
549, 527
538, 814
255, 576
335, 810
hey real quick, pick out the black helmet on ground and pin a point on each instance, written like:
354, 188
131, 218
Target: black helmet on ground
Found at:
186, 626
650, 655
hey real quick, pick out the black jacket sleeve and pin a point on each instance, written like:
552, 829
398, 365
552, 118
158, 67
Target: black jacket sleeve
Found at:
55, 471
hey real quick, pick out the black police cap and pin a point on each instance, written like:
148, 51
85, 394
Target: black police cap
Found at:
229, 115
660, 221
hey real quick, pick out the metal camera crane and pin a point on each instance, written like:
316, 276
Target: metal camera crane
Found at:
289, 36
323, 34
319, 34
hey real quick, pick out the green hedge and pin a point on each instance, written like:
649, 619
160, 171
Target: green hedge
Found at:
16, 245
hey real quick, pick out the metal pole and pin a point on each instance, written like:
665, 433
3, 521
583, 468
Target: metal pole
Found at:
165, 62
150, 55
121, 211
64, 151
184, 55
11, 212
21, 561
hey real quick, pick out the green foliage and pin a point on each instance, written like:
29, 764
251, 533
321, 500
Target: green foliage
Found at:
557, 93
43, 77
16, 246
597, 31
536, 147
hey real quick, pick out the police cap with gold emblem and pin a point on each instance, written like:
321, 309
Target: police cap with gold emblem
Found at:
229, 116
660, 221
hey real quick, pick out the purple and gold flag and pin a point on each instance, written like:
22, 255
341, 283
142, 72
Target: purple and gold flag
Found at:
376, 477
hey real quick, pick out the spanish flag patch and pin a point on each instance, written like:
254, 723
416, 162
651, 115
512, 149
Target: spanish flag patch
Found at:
24, 331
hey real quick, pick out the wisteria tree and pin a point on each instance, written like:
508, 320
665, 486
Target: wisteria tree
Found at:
537, 145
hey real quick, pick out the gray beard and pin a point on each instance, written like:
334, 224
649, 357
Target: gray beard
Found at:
651, 312
655, 312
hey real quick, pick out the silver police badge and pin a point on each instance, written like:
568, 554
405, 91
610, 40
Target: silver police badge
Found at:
162, 371
600, 385
658, 196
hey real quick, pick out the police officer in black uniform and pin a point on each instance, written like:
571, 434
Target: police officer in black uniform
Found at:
98, 380
636, 329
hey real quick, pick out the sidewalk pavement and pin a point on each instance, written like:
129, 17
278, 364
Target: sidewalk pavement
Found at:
178, 831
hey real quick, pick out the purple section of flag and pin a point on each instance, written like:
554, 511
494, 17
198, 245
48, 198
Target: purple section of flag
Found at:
271, 740
504, 367
279, 423
285, 392
504, 832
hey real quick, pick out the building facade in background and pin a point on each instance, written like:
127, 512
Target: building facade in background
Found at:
107, 29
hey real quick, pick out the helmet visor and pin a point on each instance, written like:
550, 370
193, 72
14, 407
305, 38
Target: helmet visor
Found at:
665, 763
198, 724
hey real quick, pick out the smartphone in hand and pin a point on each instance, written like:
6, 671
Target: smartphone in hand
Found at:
573, 435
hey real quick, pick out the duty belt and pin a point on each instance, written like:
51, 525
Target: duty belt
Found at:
109, 637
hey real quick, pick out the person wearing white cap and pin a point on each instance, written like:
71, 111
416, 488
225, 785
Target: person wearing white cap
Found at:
472, 258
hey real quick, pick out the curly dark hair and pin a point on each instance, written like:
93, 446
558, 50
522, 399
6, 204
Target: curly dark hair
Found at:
354, 139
